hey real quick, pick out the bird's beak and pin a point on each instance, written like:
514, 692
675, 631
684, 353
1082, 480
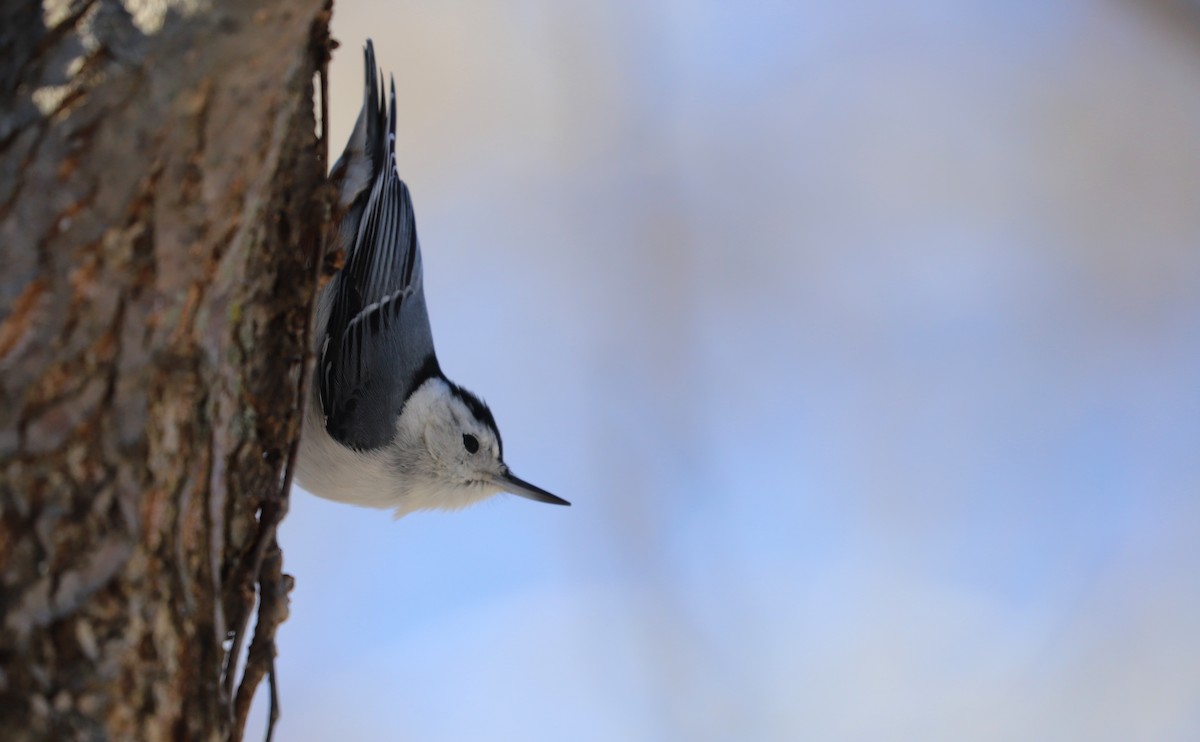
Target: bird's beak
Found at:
517, 486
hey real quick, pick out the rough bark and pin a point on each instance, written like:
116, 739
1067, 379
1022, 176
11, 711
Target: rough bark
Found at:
161, 217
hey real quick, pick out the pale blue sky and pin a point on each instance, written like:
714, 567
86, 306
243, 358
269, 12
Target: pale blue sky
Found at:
865, 340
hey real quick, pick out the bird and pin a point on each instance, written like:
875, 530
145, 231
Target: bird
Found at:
384, 427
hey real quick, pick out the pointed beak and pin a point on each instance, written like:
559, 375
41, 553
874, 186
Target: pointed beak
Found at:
517, 486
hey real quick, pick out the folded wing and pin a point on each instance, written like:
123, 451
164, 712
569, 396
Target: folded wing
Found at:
378, 345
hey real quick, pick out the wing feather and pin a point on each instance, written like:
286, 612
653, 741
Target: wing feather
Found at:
379, 346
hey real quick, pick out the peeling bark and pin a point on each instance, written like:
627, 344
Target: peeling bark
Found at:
162, 205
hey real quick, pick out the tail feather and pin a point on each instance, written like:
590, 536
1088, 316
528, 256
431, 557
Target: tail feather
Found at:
366, 151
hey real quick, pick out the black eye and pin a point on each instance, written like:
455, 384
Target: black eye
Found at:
470, 442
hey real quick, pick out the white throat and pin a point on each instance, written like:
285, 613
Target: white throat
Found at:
423, 468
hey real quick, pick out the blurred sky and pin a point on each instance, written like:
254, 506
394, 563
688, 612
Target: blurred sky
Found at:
864, 338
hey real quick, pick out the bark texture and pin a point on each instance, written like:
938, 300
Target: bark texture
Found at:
161, 216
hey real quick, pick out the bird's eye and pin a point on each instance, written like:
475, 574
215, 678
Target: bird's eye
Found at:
470, 442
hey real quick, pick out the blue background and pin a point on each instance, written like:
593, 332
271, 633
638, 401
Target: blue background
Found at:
864, 338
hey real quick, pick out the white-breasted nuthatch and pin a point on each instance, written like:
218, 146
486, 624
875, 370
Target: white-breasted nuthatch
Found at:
384, 427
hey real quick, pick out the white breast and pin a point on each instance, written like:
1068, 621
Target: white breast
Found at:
335, 472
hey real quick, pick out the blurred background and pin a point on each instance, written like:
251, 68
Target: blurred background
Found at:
864, 338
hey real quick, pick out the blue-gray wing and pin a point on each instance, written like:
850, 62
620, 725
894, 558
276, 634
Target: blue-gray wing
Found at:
378, 345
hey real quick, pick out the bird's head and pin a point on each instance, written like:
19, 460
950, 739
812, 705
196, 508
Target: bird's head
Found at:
448, 453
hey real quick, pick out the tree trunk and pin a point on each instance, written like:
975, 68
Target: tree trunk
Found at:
162, 211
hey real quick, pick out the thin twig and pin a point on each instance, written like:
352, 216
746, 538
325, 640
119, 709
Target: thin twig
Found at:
264, 561
274, 587
273, 684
